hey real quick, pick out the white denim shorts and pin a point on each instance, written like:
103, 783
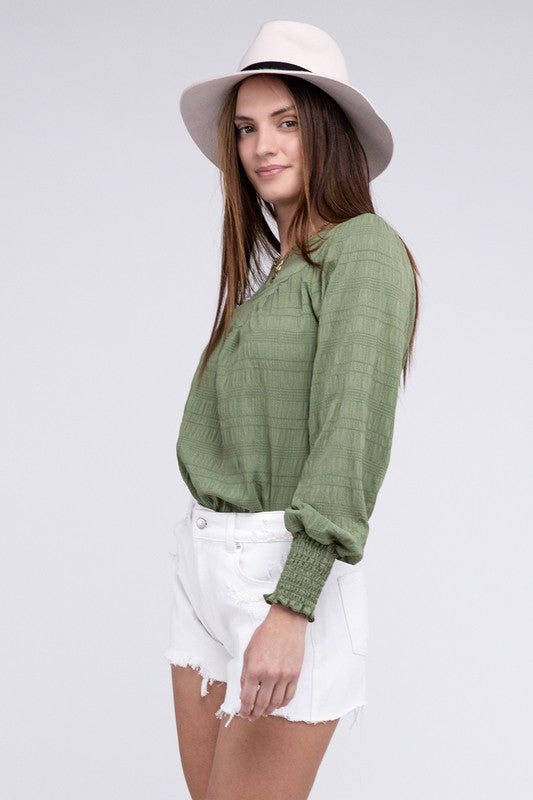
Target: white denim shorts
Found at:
223, 564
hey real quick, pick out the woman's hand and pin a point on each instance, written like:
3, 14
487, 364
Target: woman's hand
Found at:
273, 658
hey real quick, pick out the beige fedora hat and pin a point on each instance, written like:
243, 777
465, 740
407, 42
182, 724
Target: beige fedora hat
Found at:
283, 47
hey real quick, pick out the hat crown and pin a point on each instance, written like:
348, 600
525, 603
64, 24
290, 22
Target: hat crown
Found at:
297, 43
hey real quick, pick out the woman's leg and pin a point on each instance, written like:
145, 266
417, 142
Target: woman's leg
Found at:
197, 726
268, 758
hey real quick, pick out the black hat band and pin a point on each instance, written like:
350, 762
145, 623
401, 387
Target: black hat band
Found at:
275, 65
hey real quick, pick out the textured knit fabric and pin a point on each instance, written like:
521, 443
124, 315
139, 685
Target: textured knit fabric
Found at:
296, 408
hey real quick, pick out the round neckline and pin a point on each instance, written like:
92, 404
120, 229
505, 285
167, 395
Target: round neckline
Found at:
319, 235
294, 262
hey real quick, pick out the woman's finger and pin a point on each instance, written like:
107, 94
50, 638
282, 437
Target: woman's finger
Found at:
277, 700
290, 691
263, 699
249, 691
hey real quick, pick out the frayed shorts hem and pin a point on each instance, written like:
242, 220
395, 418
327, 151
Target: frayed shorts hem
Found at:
208, 677
179, 660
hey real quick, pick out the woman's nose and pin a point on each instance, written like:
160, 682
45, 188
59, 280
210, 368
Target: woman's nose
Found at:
266, 141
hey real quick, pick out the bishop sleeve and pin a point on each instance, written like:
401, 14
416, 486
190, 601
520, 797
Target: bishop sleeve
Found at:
364, 326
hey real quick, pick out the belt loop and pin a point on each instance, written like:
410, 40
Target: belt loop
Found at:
230, 532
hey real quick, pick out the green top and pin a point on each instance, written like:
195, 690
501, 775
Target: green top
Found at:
296, 407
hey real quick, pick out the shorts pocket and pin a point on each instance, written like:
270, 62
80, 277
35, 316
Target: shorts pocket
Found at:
261, 562
354, 599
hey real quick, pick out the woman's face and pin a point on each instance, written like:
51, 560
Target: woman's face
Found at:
268, 136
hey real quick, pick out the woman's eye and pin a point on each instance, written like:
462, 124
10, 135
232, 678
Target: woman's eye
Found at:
244, 128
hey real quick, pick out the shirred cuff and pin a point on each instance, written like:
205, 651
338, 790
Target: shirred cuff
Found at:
304, 574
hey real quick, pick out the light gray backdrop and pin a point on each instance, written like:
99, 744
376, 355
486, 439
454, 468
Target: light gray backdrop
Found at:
111, 223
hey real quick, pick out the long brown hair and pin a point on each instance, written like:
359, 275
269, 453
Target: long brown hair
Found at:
335, 175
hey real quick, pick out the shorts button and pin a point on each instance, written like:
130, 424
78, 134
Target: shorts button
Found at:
201, 523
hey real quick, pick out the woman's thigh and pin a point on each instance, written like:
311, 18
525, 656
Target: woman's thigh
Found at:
197, 726
268, 758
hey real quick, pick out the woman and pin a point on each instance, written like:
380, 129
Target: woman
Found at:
287, 429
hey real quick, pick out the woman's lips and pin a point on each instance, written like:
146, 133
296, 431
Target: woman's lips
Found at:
270, 173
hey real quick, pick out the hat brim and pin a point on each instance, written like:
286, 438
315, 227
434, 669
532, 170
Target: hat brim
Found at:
200, 105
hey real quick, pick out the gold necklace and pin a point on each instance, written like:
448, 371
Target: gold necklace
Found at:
278, 262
